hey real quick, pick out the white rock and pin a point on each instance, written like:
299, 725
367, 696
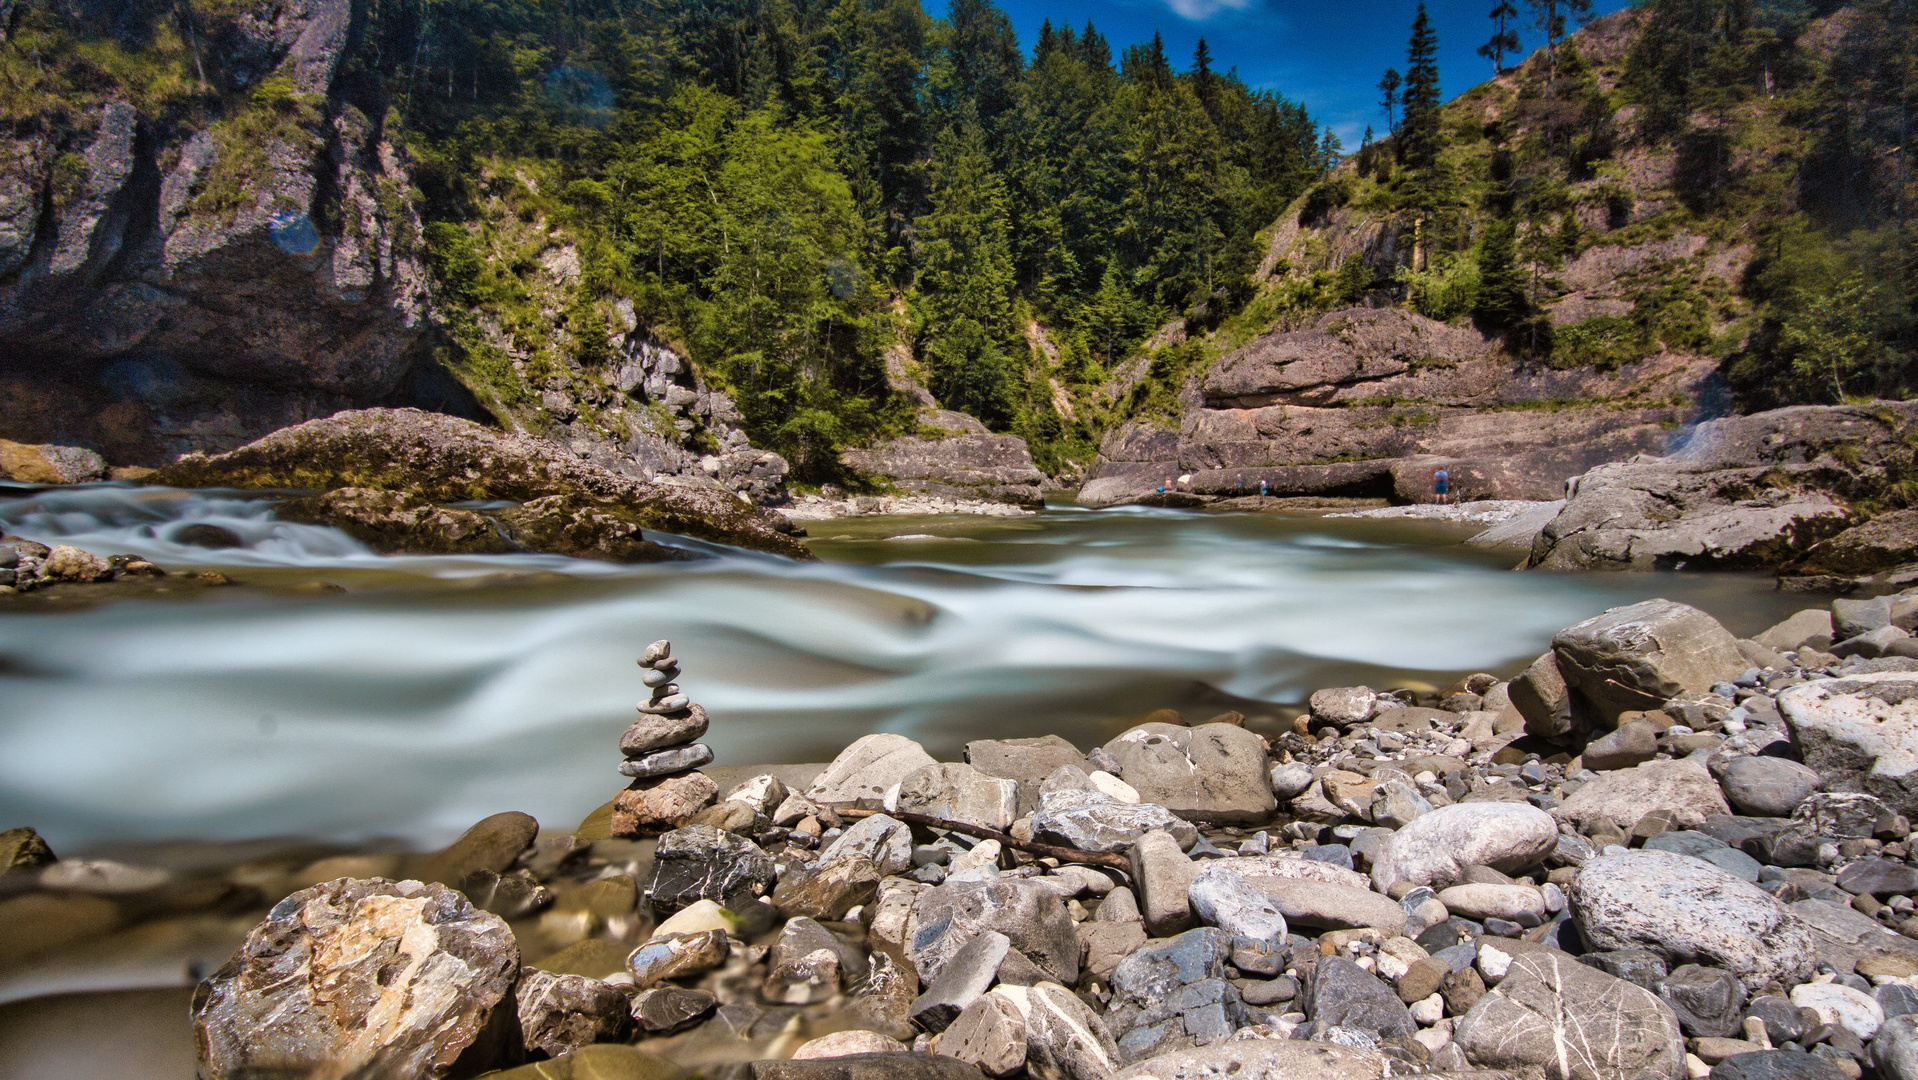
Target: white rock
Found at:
1435, 848
864, 771
1862, 729
847, 1043
1840, 1005
1108, 784
101, 876
1493, 962
1429, 1011
1227, 901
1686, 909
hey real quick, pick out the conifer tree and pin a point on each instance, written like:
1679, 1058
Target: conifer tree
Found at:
1389, 98
1204, 83
1550, 17
1504, 39
1420, 136
1501, 283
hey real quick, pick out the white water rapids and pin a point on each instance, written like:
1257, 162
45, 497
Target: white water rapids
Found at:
439, 690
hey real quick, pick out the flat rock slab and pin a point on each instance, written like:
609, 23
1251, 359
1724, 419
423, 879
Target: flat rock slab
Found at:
1095, 821
370, 977
1031, 915
1210, 773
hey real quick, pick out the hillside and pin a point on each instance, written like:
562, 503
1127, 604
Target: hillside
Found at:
1590, 252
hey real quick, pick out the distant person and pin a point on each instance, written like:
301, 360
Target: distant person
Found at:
1442, 485
1261, 489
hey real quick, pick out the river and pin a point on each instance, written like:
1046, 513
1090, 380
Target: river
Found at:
434, 691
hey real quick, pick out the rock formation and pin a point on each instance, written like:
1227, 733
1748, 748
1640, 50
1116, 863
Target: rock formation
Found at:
1371, 402
567, 505
663, 754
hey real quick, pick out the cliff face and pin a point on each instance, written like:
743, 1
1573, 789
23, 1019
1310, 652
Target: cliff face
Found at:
1371, 402
188, 277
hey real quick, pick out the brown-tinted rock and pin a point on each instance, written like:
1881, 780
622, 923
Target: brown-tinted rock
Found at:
651, 807
23, 849
492, 844
1210, 773
396, 522
830, 891
1574, 1022
369, 977
1640, 656
666, 1009
868, 1067
1032, 916
602, 1062
989, 1034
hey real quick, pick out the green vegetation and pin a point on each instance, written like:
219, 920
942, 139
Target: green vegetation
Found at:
787, 188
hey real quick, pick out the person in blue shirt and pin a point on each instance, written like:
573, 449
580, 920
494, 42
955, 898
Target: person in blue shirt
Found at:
1442, 485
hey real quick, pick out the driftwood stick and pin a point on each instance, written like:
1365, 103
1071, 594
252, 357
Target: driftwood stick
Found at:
1063, 854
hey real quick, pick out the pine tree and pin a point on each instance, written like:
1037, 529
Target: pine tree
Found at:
1501, 283
1420, 135
1389, 98
1549, 17
1204, 83
965, 284
1504, 39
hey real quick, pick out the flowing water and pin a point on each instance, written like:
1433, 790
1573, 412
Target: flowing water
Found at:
435, 691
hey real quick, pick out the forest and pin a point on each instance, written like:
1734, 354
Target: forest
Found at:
787, 189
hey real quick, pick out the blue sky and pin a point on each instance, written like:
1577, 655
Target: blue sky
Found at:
1328, 54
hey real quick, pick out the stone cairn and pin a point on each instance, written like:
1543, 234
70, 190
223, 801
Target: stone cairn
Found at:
663, 756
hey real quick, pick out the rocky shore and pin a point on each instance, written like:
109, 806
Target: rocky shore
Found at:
1658, 851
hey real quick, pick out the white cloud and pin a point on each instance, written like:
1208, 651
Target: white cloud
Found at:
1197, 10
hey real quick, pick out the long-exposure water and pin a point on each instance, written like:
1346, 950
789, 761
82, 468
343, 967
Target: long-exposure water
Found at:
435, 691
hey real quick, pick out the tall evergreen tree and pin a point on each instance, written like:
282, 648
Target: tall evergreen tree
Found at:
1389, 85
965, 280
1504, 39
1420, 136
1204, 83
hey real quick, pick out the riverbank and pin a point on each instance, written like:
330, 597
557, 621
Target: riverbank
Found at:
1670, 854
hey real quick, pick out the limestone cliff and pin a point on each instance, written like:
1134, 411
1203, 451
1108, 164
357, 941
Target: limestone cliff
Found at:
190, 261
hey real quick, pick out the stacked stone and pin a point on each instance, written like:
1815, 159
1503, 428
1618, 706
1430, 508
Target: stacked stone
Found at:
663, 754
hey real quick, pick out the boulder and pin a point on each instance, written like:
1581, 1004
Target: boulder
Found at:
1764, 786
848, 1043
885, 1066
23, 849
1887, 541
493, 843
446, 459
1030, 915
1343, 706
863, 772
668, 1009
1811, 627
1162, 877
1025, 761
700, 862
399, 522
371, 977
1860, 733
1683, 788
962, 979
1554, 1015
1231, 903
828, 890
1540, 695
1435, 848
990, 1034
886, 841
1211, 773
969, 463
561, 1013
1331, 907
678, 956
604, 1061
1065, 1039
650, 807
1686, 909
1634, 743
1095, 821
49, 464
1641, 656
955, 792
1343, 994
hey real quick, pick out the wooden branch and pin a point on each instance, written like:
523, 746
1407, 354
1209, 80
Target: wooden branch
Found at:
1063, 854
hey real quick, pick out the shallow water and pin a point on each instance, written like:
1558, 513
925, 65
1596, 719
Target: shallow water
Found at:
438, 690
